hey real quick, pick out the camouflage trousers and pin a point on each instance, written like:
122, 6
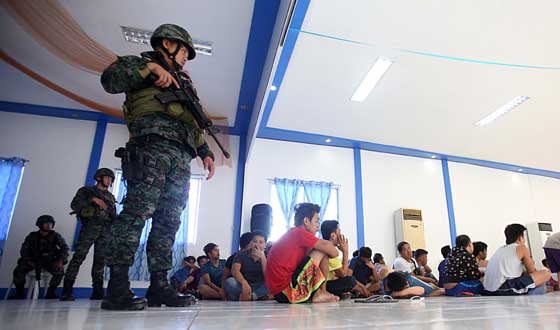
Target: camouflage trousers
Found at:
160, 192
25, 266
94, 232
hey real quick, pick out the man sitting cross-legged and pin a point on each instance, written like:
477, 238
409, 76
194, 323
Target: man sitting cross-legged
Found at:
247, 281
506, 275
210, 286
339, 279
299, 262
364, 271
405, 263
462, 270
244, 244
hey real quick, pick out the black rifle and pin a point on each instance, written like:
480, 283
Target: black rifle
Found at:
187, 96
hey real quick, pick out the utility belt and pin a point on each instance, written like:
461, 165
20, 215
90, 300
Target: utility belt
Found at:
139, 165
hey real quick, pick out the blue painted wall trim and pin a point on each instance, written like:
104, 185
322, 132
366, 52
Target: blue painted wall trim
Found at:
318, 139
262, 27
238, 207
93, 165
359, 198
42, 110
449, 199
287, 50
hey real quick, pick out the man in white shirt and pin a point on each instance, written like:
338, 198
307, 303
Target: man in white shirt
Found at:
505, 274
405, 263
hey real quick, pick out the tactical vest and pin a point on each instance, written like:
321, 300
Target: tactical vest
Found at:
142, 103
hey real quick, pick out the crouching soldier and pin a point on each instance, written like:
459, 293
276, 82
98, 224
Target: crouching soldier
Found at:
43, 249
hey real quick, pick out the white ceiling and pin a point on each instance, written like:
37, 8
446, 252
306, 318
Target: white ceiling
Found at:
217, 78
425, 102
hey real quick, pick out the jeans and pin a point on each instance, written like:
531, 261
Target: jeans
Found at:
233, 289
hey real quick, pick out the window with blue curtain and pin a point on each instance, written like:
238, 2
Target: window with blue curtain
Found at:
185, 235
11, 172
286, 193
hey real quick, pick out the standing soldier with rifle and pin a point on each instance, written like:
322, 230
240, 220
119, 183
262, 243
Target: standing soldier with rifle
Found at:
164, 138
95, 206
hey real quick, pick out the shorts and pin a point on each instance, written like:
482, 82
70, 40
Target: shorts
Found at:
473, 286
306, 280
513, 287
553, 258
341, 285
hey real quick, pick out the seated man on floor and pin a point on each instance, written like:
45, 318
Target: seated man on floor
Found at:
185, 280
248, 267
402, 285
462, 270
379, 263
552, 252
505, 275
339, 279
365, 273
442, 267
421, 258
244, 244
210, 286
480, 253
299, 262
405, 263
355, 257
43, 249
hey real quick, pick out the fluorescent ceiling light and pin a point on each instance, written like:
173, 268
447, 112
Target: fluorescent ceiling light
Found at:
141, 36
504, 109
377, 71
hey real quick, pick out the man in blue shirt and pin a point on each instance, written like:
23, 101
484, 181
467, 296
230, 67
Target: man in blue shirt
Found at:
210, 286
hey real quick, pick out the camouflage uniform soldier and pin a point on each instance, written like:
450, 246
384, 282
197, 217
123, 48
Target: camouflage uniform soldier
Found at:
42, 249
95, 207
163, 141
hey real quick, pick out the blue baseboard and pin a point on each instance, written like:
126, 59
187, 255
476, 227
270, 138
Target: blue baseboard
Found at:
78, 292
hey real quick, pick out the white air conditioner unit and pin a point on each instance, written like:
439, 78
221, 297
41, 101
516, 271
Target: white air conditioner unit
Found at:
537, 234
409, 227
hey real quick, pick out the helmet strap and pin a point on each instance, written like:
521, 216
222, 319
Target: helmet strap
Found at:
172, 56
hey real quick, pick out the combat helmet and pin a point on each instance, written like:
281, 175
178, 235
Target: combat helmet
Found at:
173, 32
44, 219
100, 173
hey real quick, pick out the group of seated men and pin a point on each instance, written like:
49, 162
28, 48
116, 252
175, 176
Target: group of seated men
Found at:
300, 267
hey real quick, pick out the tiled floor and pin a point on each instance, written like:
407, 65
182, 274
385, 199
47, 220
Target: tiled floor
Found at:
528, 312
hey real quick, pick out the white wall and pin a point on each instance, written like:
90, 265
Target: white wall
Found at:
270, 159
487, 200
546, 200
59, 152
391, 182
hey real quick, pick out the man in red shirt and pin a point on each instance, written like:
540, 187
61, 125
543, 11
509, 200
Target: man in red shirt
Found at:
298, 262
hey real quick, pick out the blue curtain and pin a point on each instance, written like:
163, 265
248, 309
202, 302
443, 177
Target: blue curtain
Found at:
318, 193
11, 170
139, 270
287, 191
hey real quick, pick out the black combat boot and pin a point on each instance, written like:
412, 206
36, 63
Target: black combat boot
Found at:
161, 293
51, 293
67, 291
20, 292
119, 296
97, 293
